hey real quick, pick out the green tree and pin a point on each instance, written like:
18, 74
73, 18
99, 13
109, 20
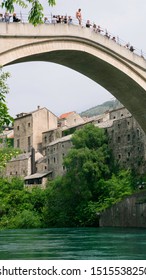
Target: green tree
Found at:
36, 11
69, 197
88, 160
5, 118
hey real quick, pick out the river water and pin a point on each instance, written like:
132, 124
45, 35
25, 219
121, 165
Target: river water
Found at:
73, 244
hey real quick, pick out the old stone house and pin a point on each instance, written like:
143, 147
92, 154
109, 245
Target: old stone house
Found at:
6, 137
127, 140
22, 165
55, 153
28, 128
70, 119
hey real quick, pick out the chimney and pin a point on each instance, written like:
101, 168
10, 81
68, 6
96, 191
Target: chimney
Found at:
33, 167
38, 107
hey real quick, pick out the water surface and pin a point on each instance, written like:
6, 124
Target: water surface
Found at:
73, 244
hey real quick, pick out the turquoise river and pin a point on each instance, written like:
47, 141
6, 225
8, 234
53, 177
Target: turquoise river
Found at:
73, 244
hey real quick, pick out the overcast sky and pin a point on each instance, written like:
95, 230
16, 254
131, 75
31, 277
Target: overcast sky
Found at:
61, 89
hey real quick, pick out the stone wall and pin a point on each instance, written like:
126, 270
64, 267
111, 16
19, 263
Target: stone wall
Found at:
130, 212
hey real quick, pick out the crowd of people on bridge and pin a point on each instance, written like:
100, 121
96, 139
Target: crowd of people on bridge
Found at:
7, 16
64, 19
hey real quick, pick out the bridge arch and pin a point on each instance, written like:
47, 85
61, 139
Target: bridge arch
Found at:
112, 66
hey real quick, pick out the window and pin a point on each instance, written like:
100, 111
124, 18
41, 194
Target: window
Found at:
119, 139
45, 139
138, 132
18, 143
28, 143
18, 127
128, 137
29, 124
54, 159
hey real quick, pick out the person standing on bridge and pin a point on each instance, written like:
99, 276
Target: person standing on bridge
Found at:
79, 16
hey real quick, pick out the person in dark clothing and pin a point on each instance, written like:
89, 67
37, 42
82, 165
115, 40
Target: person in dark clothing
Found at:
15, 19
132, 49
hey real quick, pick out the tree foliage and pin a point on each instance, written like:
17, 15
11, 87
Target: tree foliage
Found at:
89, 185
6, 154
36, 11
20, 207
5, 118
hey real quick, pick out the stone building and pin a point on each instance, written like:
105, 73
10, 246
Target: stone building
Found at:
7, 137
127, 140
39, 129
50, 136
55, 153
28, 128
22, 165
70, 119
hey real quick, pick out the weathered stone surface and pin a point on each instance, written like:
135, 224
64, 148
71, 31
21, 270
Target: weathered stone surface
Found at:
131, 212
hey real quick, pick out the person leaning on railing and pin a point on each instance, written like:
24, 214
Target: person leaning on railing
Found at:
15, 19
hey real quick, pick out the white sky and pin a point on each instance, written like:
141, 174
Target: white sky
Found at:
61, 89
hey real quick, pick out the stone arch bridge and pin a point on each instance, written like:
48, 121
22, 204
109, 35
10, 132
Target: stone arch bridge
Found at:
111, 65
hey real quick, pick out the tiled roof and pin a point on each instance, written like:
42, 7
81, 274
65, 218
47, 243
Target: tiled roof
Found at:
65, 115
59, 140
37, 175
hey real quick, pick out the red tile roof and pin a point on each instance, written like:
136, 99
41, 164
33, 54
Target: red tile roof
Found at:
65, 115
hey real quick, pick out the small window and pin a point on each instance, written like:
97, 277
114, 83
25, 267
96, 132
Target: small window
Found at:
128, 137
54, 159
138, 132
18, 127
119, 139
18, 143
29, 124
29, 141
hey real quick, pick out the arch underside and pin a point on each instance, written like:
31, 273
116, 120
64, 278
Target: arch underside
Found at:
120, 85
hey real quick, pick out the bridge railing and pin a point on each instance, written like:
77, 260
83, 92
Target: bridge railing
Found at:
51, 19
